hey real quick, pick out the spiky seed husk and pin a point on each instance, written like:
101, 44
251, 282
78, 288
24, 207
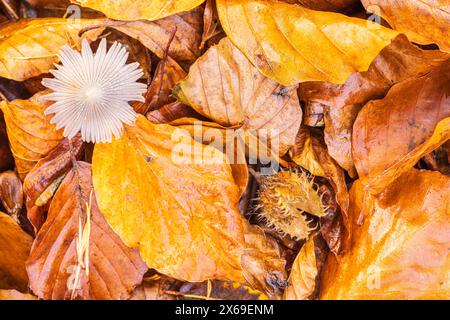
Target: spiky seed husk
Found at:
283, 200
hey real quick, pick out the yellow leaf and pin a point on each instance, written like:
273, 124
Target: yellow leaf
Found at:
138, 10
28, 47
291, 44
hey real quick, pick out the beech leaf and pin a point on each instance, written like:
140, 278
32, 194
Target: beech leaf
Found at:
107, 269
291, 44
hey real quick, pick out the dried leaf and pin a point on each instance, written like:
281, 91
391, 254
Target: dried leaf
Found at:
302, 280
15, 246
31, 135
167, 74
401, 249
326, 5
397, 62
291, 44
24, 45
311, 153
225, 87
44, 179
110, 269
11, 193
424, 21
338, 135
137, 10
156, 34
391, 135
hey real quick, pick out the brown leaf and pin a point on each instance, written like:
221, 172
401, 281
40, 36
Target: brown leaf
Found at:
44, 179
15, 246
154, 289
401, 249
156, 34
159, 93
225, 87
11, 193
391, 135
31, 135
24, 45
397, 62
171, 112
76, 238
313, 116
424, 21
338, 135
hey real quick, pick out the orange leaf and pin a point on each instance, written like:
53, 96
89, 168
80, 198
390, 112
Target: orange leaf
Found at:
15, 246
182, 215
225, 87
424, 21
30, 133
391, 135
401, 249
76, 254
24, 45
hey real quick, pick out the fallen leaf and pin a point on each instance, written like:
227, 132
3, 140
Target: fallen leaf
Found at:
44, 179
424, 21
224, 86
302, 280
15, 246
399, 61
30, 133
291, 44
24, 45
189, 228
139, 10
15, 295
313, 114
155, 289
111, 270
401, 249
159, 93
338, 135
392, 134
11, 193
156, 34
